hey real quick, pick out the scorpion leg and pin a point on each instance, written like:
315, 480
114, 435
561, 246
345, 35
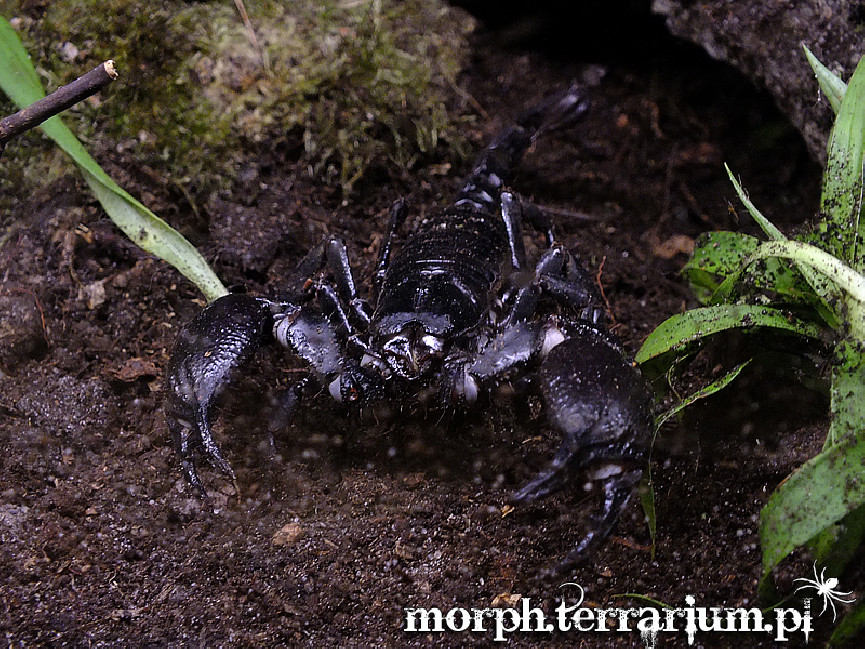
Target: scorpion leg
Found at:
594, 396
516, 208
561, 277
398, 212
221, 337
511, 215
331, 254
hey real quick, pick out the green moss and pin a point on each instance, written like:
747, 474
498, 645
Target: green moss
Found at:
363, 83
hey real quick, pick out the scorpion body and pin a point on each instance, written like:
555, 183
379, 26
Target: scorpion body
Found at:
458, 312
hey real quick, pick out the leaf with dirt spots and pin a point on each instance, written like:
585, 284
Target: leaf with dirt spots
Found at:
679, 331
840, 229
851, 627
822, 271
830, 83
719, 255
19, 81
822, 289
818, 494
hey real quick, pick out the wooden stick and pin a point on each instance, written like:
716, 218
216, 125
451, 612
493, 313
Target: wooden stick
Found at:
58, 101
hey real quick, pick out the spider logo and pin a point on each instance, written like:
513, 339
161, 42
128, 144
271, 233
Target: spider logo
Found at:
826, 589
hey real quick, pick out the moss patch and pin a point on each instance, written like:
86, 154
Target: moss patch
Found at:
357, 83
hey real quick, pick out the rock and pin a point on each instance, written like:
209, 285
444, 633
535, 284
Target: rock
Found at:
763, 40
287, 535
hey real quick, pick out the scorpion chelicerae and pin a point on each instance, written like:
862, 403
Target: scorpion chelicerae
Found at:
458, 312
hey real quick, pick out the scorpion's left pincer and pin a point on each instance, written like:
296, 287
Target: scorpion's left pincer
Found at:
603, 409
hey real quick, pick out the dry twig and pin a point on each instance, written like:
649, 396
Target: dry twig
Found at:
58, 101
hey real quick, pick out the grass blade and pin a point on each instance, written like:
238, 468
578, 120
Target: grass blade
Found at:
702, 393
647, 501
830, 83
19, 81
841, 198
765, 224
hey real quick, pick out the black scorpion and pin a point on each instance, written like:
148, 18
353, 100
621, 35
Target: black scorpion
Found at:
458, 312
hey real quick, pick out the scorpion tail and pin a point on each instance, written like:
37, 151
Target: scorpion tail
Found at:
556, 112
217, 340
602, 408
495, 165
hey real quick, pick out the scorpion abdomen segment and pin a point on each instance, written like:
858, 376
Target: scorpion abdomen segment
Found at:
443, 276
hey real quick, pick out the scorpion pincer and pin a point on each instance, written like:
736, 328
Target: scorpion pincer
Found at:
458, 312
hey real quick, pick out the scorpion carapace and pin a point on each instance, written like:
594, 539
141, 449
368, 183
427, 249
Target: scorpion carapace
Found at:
458, 312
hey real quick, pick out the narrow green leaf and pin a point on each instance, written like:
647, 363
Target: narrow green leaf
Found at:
819, 286
702, 393
830, 83
642, 598
847, 392
841, 198
821, 492
19, 81
677, 332
765, 224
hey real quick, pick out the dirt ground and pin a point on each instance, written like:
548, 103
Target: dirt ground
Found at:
338, 525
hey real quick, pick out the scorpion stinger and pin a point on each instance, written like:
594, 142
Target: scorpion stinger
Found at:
458, 312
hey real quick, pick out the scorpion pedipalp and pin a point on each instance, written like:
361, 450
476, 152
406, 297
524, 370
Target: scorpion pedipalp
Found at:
219, 339
602, 408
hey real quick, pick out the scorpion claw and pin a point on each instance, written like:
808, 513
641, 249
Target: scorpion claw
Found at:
602, 407
217, 340
546, 483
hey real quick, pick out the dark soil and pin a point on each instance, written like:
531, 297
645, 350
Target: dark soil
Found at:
338, 526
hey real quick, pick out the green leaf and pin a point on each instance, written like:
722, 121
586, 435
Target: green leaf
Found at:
837, 545
719, 255
647, 500
19, 81
682, 329
765, 224
847, 392
17, 75
841, 200
818, 285
844, 286
642, 598
830, 83
818, 494
702, 393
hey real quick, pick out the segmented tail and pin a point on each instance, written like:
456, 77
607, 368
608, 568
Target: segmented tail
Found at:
495, 165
